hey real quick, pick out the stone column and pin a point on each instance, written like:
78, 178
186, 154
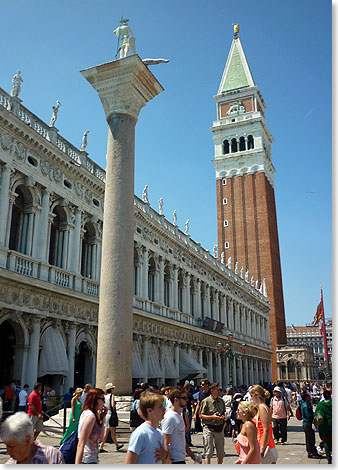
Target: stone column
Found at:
33, 353
187, 293
69, 381
75, 242
227, 376
219, 369
161, 282
175, 289
145, 354
4, 188
240, 367
177, 360
210, 368
144, 275
246, 372
234, 372
198, 298
40, 242
216, 304
124, 87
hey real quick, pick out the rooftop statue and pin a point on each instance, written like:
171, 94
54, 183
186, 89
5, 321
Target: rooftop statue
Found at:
186, 227
215, 249
16, 80
236, 28
55, 113
222, 257
160, 206
175, 217
84, 141
145, 194
126, 39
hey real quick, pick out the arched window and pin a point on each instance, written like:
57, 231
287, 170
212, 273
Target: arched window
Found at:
226, 147
151, 279
233, 145
58, 245
180, 292
16, 231
241, 144
89, 252
250, 142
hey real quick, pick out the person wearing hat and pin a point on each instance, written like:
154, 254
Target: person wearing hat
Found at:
111, 419
74, 417
280, 410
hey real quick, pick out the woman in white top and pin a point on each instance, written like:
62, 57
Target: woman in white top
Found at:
91, 427
111, 421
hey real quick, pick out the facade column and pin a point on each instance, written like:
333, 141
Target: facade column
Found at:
33, 353
234, 372
187, 294
75, 246
175, 288
4, 206
161, 282
219, 369
240, 368
145, 355
217, 315
198, 299
200, 356
227, 376
246, 372
162, 379
41, 238
69, 381
144, 274
230, 314
210, 367
177, 360
207, 301
30, 232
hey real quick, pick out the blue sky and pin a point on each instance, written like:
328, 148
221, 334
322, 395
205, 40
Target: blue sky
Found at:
288, 47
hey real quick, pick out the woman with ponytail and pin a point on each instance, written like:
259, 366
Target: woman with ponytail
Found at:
262, 420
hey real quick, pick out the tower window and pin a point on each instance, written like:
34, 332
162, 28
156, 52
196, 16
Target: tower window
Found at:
250, 142
226, 148
226, 245
225, 223
224, 181
233, 145
241, 144
225, 201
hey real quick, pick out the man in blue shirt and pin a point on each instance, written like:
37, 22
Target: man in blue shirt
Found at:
146, 445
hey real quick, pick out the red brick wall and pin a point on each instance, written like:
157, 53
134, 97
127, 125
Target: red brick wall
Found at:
253, 237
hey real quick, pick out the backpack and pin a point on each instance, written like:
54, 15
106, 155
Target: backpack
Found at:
68, 448
298, 413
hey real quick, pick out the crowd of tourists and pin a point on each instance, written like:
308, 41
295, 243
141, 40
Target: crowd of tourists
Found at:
163, 422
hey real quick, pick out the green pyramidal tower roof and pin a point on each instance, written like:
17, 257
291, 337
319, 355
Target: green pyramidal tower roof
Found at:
237, 73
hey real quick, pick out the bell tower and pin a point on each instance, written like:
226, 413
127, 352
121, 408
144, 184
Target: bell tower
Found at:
246, 211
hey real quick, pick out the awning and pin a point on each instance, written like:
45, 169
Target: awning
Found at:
53, 357
138, 370
189, 366
154, 367
168, 364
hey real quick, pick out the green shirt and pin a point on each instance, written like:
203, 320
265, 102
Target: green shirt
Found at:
209, 407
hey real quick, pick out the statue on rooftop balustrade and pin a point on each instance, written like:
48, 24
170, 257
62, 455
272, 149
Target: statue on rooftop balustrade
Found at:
186, 227
84, 141
16, 80
175, 217
145, 194
160, 206
55, 113
126, 39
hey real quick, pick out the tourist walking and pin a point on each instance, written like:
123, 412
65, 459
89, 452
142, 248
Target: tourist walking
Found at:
246, 443
86, 389
17, 433
146, 444
306, 412
323, 421
91, 427
35, 409
227, 398
111, 420
135, 419
173, 428
280, 415
263, 424
75, 413
212, 414
23, 397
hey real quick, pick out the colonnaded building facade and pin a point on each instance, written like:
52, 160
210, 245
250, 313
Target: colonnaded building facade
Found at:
186, 301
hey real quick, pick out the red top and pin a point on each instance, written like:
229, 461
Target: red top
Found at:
35, 399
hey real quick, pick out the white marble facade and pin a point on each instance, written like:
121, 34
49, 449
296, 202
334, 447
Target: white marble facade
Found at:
51, 211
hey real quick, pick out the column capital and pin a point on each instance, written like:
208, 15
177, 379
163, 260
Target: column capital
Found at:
124, 86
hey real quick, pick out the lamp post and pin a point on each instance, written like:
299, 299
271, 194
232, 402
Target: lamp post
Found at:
230, 354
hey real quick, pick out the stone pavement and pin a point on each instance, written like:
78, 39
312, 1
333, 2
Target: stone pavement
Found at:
292, 453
